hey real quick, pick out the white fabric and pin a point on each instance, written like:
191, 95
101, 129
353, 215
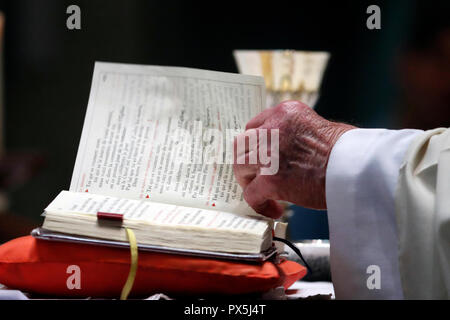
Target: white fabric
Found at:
7, 294
305, 289
423, 215
361, 180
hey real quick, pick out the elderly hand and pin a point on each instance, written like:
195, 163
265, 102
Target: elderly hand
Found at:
305, 143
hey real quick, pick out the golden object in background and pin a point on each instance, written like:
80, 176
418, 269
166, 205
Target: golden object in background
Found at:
288, 74
266, 64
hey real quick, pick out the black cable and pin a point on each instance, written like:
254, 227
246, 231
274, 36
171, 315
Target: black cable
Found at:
296, 250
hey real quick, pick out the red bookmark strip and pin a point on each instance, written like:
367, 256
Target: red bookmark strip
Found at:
117, 217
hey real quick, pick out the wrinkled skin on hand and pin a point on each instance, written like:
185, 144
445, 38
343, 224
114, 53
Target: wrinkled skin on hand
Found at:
305, 143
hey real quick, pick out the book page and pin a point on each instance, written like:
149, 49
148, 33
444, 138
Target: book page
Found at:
150, 133
160, 214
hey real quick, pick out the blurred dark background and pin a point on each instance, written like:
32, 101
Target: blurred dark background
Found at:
394, 77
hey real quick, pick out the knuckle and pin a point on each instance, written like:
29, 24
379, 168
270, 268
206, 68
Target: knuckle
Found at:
292, 106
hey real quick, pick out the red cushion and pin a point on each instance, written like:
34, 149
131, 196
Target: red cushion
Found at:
39, 266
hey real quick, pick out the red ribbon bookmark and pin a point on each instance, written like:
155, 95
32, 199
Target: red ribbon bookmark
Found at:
108, 216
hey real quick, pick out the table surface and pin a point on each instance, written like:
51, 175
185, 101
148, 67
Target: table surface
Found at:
304, 289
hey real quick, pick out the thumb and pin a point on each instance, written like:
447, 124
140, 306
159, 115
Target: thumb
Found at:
259, 196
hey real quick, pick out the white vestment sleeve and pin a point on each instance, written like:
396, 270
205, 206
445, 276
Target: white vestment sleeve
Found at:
423, 215
361, 180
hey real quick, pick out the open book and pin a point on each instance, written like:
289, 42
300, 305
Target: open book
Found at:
156, 149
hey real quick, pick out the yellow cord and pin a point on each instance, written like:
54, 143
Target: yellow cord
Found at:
133, 267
